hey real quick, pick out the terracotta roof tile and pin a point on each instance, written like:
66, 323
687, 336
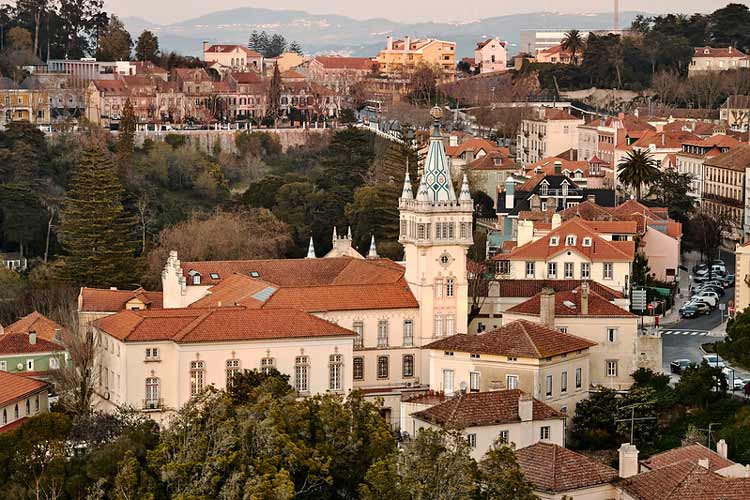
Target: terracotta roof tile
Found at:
475, 144
44, 327
219, 48
484, 408
14, 387
529, 288
548, 166
587, 210
717, 52
247, 77
494, 160
520, 338
737, 158
554, 469
18, 343
665, 140
216, 325
598, 306
692, 453
614, 227
106, 300
355, 63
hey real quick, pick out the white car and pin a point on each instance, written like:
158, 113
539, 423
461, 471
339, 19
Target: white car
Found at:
714, 360
710, 298
733, 381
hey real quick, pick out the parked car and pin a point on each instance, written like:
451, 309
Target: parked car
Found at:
701, 307
710, 298
714, 360
733, 380
699, 267
677, 365
689, 310
709, 287
729, 281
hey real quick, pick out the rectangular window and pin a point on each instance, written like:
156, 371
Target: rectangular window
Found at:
359, 368
472, 439
302, 374
449, 286
511, 381
4, 366
407, 366
335, 372
552, 270
267, 364
568, 269
450, 323
359, 329
408, 333
612, 368
530, 268
564, 382
451, 229
438, 325
611, 335
548, 386
30, 364
197, 376
503, 436
607, 270
439, 288
503, 267
152, 392
448, 381
585, 270
544, 433
382, 366
54, 363
232, 369
383, 333
420, 231
464, 230
474, 378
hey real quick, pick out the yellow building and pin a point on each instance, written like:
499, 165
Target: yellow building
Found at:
402, 56
17, 104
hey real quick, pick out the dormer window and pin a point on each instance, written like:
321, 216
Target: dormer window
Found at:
543, 189
587, 241
554, 241
565, 189
214, 276
254, 274
538, 170
196, 277
570, 240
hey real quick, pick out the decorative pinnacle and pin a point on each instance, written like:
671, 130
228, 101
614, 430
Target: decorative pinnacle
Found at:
436, 113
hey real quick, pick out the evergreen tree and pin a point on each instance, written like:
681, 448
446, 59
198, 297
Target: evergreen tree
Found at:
95, 230
147, 47
126, 137
274, 97
295, 47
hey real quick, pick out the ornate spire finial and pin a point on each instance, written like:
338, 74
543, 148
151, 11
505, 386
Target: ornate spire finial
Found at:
311, 250
373, 253
335, 235
406, 193
465, 192
349, 232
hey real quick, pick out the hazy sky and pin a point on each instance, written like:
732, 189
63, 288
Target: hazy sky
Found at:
169, 11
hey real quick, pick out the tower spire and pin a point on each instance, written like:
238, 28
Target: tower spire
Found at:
373, 253
435, 184
311, 250
465, 192
335, 236
406, 193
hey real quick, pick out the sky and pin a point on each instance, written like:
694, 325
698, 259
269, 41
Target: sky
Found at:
170, 11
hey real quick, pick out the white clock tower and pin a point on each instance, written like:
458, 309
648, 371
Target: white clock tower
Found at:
436, 231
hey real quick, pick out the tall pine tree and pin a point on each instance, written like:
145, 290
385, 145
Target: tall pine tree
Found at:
274, 97
126, 137
96, 232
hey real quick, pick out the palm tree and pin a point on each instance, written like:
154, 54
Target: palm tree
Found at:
573, 43
637, 169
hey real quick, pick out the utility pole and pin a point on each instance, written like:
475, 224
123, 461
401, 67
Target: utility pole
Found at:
709, 431
633, 418
617, 15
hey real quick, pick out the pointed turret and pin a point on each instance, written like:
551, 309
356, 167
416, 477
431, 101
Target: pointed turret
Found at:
373, 253
465, 192
435, 184
335, 236
406, 193
311, 250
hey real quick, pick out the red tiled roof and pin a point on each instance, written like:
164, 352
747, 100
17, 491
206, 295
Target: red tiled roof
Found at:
18, 343
44, 327
613, 227
14, 387
529, 288
483, 408
355, 63
487, 162
737, 158
219, 48
587, 210
216, 325
598, 306
717, 52
247, 77
520, 338
691, 453
475, 144
292, 75
665, 140
548, 166
554, 469
599, 251
109, 86
106, 300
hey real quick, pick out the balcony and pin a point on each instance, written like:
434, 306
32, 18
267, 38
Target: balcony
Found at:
153, 404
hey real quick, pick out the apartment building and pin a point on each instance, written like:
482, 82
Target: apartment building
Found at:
724, 191
691, 158
403, 56
491, 55
31, 104
608, 140
20, 398
736, 112
227, 57
551, 132
339, 73
707, 59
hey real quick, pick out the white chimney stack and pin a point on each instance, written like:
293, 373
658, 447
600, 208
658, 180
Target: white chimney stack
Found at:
628, 455
722, 448
525, 407
389, 42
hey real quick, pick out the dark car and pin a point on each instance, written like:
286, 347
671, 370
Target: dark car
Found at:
729, 281
677, 365
689, 311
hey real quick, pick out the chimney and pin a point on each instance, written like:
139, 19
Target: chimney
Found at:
510, 190
556, 221
58, 334
547, 307
558, 167
205, 47
469, 155
525, 407
407, 43
591, 198
32, 337
524, 232
585, 298
628, 460
453, 141
703, 462
722, 449
389, 42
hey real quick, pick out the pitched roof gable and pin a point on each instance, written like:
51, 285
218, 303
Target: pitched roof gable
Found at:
18, 343
44, 327
14, 387
107, 300
568, 304
692, 453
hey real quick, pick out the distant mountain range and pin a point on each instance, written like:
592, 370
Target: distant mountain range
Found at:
347, 36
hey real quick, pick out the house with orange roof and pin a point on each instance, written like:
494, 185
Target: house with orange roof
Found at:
469, 150
661, 144
487, 173
491, 55
20, 399
550, 365
557, 55
586, 173
550, 132
229, 57
610, 139
691, 159
401, 57
706, 59
339, 73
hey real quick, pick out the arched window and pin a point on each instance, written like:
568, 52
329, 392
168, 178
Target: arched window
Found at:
16, 411
28, 407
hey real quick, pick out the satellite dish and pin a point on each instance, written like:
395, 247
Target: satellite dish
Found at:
19, 366
463, 386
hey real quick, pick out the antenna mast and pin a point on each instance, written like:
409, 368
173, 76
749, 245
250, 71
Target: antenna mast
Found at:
617, 15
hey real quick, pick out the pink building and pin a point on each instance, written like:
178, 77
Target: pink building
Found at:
490, 55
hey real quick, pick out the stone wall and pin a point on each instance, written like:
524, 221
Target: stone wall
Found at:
205, 139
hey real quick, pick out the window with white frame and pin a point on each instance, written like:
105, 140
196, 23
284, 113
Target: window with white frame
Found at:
197, 376
407, 366
612, 368
152, 353
30, 364
408, 333
587, 241
472, 440
474, 379
585, 270
548, 386
450, 323
544, 433
464, 227
449, 287
152, 392
439, 325
530, 269
358, 368
554, 241
503, 267
511, 381
359, 329
552, 270
568, 270
611, 335
267, 364
570, 240
4, 366
383, 333
382, 367
503, 436
439, 288
448, 381
579, 378
335, 372
607, 268
564, 382
302, 374
232, 369
54, 363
